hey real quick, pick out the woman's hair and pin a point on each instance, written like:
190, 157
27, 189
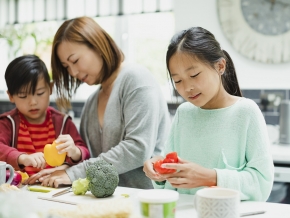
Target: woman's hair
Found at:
23, 73
86, 31
202, 45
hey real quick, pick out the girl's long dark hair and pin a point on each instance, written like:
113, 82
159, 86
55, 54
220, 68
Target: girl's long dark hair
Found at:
201, 44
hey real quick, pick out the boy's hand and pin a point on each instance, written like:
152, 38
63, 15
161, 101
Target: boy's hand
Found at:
35, 160
66, 144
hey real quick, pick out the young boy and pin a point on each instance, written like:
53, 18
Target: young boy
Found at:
25, 130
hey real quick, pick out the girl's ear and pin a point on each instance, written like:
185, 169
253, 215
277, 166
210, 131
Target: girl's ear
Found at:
221, 66
51, 86
11, 99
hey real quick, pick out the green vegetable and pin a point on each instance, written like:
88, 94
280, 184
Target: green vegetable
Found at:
80, 186
103, 179
125, 195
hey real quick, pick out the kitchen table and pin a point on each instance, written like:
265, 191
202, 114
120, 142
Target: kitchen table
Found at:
184, 208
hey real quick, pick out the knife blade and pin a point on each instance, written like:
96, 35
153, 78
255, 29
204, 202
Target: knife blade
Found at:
62, 192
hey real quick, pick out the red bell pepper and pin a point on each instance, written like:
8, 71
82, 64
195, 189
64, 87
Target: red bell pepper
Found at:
170, 158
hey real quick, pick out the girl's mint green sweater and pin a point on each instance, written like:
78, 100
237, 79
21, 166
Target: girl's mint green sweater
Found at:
232, 140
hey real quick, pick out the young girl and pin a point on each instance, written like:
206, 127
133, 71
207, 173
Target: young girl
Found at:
25, 130
220, 137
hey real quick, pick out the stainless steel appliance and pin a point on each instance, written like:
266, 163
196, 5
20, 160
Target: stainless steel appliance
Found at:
284, 122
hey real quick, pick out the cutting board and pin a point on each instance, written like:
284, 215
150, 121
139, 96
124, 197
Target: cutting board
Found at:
71, 198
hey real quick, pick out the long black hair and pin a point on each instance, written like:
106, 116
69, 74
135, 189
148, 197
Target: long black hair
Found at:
201, 44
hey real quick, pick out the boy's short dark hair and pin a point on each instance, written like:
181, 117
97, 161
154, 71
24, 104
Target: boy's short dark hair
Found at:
23, 73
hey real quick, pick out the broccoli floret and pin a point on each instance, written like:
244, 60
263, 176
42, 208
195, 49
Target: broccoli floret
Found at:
103, 179
80, 186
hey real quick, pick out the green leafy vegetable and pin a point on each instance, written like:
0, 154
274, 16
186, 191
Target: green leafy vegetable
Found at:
80, 186
102, 180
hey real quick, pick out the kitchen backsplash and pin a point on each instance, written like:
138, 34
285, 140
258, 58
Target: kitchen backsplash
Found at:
268, 101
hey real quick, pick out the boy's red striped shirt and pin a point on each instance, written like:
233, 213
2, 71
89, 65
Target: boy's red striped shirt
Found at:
33, 137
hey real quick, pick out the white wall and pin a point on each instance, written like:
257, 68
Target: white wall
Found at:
251, 75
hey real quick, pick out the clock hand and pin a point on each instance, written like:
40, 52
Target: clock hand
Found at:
278, 2
272, 4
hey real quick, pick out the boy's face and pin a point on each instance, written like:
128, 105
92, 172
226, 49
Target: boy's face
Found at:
33, 107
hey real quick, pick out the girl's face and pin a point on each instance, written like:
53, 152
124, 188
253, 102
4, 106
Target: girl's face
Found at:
81, 62
33, 107
195, 81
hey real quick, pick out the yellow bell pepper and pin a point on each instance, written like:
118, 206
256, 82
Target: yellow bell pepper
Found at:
51, 155
24, 176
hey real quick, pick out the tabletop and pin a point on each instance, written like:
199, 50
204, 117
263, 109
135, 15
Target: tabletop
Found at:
184, 209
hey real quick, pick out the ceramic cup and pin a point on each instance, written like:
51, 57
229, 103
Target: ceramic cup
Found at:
217, 203
3, 167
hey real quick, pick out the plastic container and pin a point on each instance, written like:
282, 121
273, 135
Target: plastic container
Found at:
158, 203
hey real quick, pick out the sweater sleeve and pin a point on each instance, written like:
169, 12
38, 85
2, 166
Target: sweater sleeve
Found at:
71, 129
141, 114
8, 154
255, 178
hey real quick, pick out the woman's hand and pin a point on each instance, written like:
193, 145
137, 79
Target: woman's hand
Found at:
38, 177
35, 160
55, 179
149, 169
66, 144
190, 175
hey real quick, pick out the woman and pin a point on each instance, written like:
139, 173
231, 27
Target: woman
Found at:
126, 120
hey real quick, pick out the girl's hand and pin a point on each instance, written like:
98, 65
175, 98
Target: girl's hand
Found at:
190, 175
66, 144
38, 177
35, 160
149, 169
55, 179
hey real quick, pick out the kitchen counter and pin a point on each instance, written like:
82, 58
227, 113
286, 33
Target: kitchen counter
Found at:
184, 209
281, 159
281, 153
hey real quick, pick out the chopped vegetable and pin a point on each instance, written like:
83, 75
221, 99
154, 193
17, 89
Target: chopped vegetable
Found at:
37, 188
24, 176
80, 186
125, 195
170, 158
16, 178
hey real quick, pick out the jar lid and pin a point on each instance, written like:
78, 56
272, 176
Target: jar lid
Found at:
158, 196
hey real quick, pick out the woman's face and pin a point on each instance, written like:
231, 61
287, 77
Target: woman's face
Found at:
195, 81
81, 62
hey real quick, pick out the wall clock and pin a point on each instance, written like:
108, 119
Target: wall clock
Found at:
258, 29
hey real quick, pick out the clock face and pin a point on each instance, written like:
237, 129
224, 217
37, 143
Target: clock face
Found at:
269, 17
257, 29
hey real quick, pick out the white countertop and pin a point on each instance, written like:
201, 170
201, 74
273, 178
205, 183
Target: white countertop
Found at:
184, 209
